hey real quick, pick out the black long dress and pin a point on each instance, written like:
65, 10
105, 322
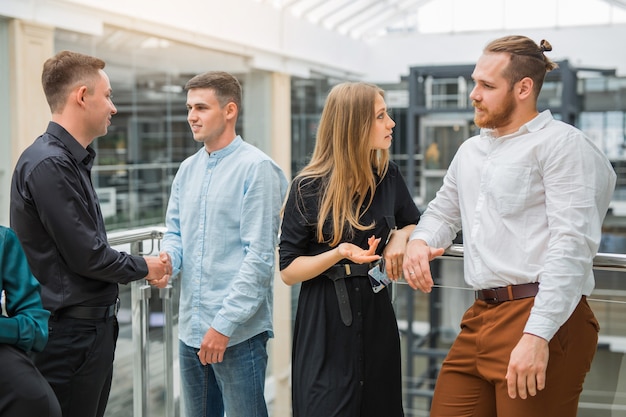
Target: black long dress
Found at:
339, 370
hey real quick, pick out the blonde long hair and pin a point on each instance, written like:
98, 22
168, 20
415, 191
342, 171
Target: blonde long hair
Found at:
343, 159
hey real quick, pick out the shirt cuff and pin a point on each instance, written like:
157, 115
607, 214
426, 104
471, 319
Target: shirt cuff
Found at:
418, 234
541, 326
9, 331
224, 326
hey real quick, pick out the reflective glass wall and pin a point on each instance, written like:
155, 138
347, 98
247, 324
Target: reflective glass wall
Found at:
604, 121
149, 136
307, 101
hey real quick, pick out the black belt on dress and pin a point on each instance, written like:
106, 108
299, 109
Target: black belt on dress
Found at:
89, 312
508, 293
337, 273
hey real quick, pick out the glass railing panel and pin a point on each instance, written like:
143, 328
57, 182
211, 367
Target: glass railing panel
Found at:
145, 370
146, 376
146, 379
429, 323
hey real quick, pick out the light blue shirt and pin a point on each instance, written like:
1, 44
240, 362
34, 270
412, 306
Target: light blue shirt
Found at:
222, 231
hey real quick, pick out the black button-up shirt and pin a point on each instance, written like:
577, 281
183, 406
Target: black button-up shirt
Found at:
56, 215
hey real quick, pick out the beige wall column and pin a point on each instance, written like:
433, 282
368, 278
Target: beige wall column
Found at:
267, 125
281, 153
29, 46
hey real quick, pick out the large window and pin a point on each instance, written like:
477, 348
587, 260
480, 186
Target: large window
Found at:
149, 136
446, 93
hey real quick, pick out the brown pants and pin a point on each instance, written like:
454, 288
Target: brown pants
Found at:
472, 379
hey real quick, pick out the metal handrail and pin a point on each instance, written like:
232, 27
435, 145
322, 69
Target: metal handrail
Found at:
140, 296
123, 237
140, 308
602, 261
422, 385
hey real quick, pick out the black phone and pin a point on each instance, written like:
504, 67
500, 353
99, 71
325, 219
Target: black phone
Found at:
378, 276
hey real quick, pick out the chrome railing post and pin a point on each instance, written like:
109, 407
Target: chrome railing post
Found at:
140, 296
140, 317
168, 349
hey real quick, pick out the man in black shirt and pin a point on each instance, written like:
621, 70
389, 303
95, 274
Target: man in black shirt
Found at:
56, 215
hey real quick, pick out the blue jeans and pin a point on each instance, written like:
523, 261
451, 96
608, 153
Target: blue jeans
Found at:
235, 386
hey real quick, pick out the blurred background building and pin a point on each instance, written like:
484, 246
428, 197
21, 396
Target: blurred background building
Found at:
288, 54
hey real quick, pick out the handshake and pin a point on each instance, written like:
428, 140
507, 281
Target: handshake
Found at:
159, 269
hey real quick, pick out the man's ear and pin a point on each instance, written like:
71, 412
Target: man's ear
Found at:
525, 88
231, 110
78, 95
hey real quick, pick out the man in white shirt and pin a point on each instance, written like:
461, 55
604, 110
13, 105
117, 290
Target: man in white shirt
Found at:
530, 194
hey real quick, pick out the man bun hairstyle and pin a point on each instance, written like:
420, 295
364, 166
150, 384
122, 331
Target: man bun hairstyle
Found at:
527, 59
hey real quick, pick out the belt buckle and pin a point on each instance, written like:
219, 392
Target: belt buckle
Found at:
494, 299
490, 300
117, 306
348, 270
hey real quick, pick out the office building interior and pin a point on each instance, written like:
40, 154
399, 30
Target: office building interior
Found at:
287, 54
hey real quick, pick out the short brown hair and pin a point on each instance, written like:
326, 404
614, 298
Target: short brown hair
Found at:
527, 59
225, 86
65, 71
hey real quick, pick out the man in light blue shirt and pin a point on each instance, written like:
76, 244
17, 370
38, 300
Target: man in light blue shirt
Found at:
222, 230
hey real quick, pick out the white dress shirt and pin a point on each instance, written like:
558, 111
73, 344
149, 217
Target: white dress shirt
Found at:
531, 205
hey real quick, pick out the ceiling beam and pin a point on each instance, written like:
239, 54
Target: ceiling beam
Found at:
399, 12
358, 13
339, 7
618, 3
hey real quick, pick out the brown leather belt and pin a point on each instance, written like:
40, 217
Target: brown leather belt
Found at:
509, 293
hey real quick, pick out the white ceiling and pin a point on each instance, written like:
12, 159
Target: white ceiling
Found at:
375, 40
365, 19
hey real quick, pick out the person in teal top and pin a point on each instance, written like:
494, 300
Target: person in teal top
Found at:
23, 328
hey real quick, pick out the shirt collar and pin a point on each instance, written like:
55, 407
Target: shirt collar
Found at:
230, 148
534, 125
82, 155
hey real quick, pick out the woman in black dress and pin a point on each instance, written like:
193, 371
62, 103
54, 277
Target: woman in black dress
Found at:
348, 208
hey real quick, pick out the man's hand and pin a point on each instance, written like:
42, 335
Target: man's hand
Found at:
213, 347
394, 251
526, 374
416, 266
159, 269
